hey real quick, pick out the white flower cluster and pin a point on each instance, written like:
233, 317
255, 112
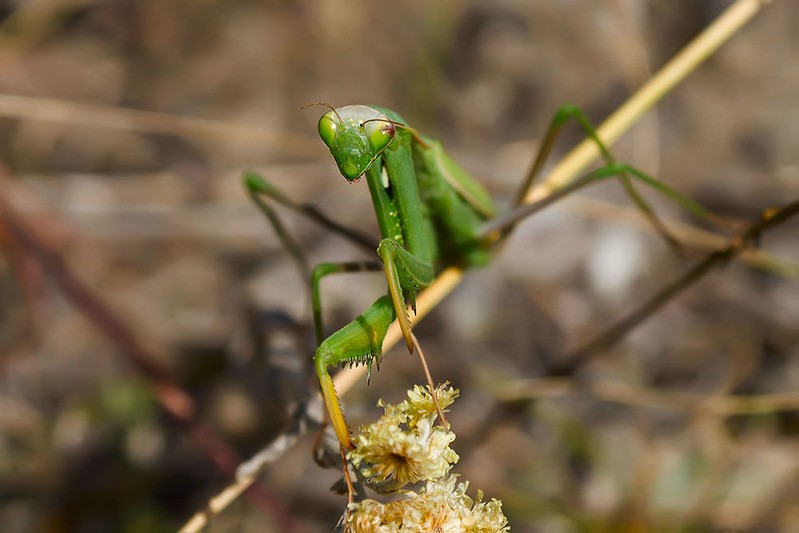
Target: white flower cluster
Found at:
404, 447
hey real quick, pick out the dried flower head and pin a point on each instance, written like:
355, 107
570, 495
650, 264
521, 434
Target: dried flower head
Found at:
441, 506
405, 446
421, 406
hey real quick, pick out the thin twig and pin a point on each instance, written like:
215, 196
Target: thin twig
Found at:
248, 472
612, 335
687, 234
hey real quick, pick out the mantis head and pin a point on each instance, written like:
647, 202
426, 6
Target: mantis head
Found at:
356, 136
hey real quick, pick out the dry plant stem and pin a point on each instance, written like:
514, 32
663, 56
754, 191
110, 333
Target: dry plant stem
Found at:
635, 396
668, 77
575, 162
686, 233
754, 404
99, 116
721, 30
172, 398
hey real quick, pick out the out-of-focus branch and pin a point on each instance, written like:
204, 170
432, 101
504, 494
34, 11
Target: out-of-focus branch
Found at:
175, 401
117, 118
737, 245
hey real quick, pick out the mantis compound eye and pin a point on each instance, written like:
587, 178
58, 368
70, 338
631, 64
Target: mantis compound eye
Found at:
328, 128
380, 133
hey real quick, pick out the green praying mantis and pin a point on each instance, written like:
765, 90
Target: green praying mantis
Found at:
431, 213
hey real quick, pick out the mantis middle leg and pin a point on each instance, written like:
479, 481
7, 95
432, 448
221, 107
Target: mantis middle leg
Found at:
258, 188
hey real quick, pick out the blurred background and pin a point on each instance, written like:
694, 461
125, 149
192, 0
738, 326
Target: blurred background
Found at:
125, 128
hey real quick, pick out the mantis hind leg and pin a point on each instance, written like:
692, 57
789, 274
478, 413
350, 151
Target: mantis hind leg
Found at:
623, 172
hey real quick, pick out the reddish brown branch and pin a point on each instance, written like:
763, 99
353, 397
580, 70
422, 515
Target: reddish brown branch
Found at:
177, 403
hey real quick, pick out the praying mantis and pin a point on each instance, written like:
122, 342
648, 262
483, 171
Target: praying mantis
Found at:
431, 213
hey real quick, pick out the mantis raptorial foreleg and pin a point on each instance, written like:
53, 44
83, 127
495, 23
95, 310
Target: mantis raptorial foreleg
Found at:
406, 273
362, 339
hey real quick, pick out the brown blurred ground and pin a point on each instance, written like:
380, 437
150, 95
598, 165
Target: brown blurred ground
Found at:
158, 224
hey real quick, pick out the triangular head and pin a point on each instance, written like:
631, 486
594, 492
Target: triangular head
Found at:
356, 136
